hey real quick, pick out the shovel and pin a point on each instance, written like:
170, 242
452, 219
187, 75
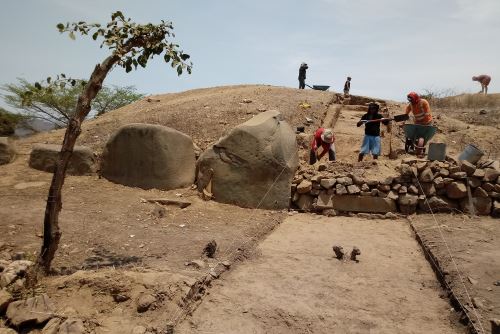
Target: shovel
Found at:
397, 118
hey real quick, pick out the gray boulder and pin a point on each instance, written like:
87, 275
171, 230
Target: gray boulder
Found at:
149, 156
252, 166
482, 205
35, 310
7, 151
45, 156
437, 204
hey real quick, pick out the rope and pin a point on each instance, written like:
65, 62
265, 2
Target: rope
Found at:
453, 261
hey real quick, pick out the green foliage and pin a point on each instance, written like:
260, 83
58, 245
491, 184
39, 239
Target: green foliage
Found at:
56, 102
111, 98
133, 43
8, 122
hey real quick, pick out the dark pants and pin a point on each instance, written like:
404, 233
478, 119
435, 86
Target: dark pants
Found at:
313, 159
302, 83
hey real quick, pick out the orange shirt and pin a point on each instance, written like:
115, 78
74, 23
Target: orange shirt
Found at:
421, 110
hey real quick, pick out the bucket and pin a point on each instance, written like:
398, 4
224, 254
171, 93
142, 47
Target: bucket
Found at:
471, 153
437, 151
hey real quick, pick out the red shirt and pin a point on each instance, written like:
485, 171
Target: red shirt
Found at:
484, 79
317, 141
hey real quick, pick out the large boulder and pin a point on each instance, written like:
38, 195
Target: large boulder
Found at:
45, 156
149, 156
7, 151
34, 310
253, 165
482, 205
437, 204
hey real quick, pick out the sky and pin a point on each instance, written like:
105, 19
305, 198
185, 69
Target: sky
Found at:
388, 47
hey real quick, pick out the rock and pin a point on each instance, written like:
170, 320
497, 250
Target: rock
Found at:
36, 310
479, 173
444, 172
480, 192
488, 186
5, 299
365, 193
345, 181
339, 252
428, 189
393, 195
437, 204
197, 264
467, 167
458, 175
7, 331
482, 205
149, 156
13, 271
354, 253
315, 192
144, 302
316, 178
495, 326
340, 189
329, 213
454, 169
372, 182
327, 183
7, 152
322, 167
210, 249
495, 212
384, 187
403, 190
421, 166
413, 190
72, 326
52, 327
324, 201
438, 182
474, 182
45, 156
477, 303
405, 171
304, 202
426, 175
387, 181
396, 187
139, 330
365, 187
351, 203
257, 158
374, 192
120, 297
490, 175
304, 187
456, 190
408, 200
353, 189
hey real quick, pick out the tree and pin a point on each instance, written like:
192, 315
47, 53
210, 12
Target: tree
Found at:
111, 98
8, 122
57, 105
131, 45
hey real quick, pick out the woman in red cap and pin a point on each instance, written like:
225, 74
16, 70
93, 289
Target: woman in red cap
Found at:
420, 108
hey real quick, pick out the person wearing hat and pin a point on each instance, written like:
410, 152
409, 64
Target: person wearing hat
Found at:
324, 138
302, 75
347, 86
420, 108
371, 140
484, 80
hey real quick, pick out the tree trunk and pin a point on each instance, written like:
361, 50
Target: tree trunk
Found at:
51, 232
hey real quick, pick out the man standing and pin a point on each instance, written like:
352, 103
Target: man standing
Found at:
302, 75
347, 86
484, 80
420, 108
322, 138
371, 140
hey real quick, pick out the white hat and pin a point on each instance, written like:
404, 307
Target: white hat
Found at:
327, 136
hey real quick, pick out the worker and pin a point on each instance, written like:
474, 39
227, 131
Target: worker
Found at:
371, 140
302, 75
420, 108
484, 80
322, 138
347, 86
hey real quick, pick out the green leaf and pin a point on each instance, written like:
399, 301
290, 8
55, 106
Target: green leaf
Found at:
179, 70
72, 35
95, 35
37, 85
167, 58
60, 26
185, 56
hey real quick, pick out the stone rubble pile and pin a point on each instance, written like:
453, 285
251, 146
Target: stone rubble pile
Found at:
418, 185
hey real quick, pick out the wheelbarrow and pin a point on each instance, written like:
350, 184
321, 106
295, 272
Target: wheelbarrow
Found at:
318, 87
417, 137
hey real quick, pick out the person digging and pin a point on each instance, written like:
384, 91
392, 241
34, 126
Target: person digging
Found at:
420, 109
371, 140
325, 139
484, 80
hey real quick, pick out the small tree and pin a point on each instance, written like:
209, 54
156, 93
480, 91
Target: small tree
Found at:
58, 104
131, 45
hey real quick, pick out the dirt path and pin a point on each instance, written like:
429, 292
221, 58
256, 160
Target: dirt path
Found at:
296, 285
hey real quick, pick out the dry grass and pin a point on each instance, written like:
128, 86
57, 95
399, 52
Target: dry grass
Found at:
465, 101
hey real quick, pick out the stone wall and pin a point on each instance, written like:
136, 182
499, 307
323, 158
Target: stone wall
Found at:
418, 185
